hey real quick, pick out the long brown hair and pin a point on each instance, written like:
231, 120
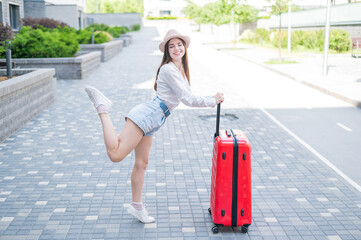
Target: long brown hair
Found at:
167, 58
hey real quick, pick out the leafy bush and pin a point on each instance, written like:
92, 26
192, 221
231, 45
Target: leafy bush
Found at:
310, 39
101, 36
45, 22
261, 33
117, 30
6, 33
36, 43
85, 37
162, 18
248, 35
284, 39
339, 40
98, 27
135, 27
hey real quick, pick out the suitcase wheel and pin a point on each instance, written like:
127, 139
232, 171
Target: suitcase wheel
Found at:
215, 229
209, 210
244, 229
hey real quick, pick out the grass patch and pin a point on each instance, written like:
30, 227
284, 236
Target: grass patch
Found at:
276, 61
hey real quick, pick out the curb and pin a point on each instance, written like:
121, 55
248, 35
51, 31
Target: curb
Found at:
307, 83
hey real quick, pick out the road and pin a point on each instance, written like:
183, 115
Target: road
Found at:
327, 126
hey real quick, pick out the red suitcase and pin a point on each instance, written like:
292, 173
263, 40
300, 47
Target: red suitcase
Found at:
231, 193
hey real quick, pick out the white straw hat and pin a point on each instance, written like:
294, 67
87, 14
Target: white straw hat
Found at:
174, 34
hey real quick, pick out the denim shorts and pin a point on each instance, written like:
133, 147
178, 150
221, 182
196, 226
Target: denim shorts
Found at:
148, 116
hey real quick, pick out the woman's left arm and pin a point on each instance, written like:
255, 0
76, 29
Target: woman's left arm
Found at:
181, 88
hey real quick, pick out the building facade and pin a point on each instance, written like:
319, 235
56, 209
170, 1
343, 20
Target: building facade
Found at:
71, 12
11, 11
161, 8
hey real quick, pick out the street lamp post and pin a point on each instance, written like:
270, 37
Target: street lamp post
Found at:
289, 27
327, 39
8, 59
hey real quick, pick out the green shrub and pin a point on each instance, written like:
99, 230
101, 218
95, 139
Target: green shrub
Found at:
248, 35
135, 27
339, 40
45, 22
320, 39
6, 33
98, 27
299, 35
36, 43
162, 18
275, 39
85, 37
261, 34
102, 37
309, 39
284, 39
117, 30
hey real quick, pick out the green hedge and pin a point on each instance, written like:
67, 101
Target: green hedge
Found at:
6, 33
37, 41
162, 18
339, 39
114, 31
85, 37
44, 43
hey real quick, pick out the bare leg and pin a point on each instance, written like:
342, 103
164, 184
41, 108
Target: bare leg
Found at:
137, 209
118, 147
141, 151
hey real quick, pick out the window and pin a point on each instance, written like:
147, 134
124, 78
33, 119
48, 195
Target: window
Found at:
14, 13
1, 12
164, 13
79, 20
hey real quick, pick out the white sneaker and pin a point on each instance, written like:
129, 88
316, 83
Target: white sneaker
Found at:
98, 99
142, 215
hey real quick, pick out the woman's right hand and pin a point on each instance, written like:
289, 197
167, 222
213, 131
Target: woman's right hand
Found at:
219, 97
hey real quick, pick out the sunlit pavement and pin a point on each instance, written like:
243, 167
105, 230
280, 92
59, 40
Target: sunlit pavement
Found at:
57, 182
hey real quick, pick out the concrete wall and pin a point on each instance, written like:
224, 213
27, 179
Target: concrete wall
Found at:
65, 68
68, 14
116, 19
34, 9
108, 50
5, 10
347, 16
24, 97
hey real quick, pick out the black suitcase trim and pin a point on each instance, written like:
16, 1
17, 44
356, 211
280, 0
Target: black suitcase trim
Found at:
234, 180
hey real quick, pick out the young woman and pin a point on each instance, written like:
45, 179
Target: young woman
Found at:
172, 86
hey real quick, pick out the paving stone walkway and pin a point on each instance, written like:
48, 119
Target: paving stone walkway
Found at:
56, 181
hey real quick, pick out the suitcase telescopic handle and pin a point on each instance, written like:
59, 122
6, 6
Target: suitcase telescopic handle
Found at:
218, 119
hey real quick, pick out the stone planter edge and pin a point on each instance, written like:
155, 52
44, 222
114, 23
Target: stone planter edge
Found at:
30, 76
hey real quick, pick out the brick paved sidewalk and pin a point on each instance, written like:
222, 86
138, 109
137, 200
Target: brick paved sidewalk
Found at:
57, 183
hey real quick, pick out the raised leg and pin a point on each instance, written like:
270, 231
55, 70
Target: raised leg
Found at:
118, 147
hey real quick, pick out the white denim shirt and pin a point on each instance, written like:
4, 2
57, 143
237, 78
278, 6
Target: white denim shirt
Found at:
173, 88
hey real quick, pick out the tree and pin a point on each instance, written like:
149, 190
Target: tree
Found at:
221, 12
115, 6
242, 13
193, 11
279, 7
